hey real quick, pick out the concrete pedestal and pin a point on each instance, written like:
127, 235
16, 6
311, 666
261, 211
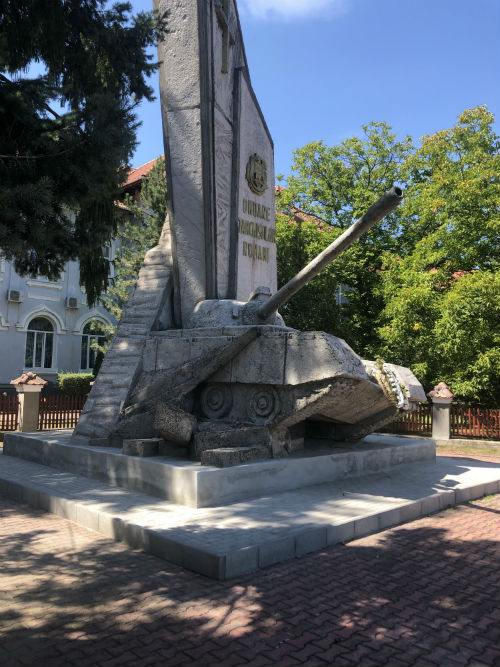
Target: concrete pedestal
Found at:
189, 483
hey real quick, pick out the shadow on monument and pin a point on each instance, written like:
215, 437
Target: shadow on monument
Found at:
410, 592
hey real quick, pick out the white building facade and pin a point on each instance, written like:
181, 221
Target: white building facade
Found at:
46, 326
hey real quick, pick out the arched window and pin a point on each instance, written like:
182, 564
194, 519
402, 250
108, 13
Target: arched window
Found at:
92, 333
39, 343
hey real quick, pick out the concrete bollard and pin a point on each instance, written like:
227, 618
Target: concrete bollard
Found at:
28, 386
441, 397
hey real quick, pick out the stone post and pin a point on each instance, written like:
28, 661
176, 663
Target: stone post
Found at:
441, 397
28, 386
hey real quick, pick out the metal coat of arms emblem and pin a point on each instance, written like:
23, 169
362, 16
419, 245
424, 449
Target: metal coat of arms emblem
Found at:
256, 174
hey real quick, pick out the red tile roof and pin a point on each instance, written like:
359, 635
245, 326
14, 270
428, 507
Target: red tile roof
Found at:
29, 378
135, 175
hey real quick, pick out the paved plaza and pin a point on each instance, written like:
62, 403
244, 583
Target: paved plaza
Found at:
423, 594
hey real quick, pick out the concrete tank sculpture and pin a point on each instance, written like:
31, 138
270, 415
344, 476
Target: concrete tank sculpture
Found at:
201, 356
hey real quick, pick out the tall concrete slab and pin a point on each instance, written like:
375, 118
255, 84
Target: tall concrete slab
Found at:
219, 158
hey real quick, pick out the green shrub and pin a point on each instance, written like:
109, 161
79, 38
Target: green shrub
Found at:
75, 384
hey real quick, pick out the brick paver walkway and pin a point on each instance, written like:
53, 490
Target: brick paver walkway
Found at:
423, 594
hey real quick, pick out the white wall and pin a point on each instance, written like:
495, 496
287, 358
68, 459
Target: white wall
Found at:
43, 298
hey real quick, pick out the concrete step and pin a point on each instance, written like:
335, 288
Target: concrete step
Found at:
234, 539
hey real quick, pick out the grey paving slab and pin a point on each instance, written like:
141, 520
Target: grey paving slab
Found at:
231, 540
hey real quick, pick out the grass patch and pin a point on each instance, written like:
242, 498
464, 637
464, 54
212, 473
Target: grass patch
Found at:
469, 449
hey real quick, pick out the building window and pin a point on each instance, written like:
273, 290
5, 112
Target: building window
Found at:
107, 253
39, 343
92, 335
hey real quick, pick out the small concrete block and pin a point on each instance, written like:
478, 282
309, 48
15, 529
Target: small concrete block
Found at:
242, 561
211, 437
446, 499
366, 525
231, 456
410, 511
174, 424
469, 493
141, 447
108, 525
44, 501
15, 491
174, 449
276, 551
88, 517
431, 504
310, 540
31, 496
492, 487
133, 535
63, 507
161, 546
203, 562
389, 518
341, 533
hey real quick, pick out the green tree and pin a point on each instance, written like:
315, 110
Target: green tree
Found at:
467, 337
425, 281
71, 73
138, 231
451, 208
338, 184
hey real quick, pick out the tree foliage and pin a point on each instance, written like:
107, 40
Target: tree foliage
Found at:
424, 282
338, 184
137, 232
71, 73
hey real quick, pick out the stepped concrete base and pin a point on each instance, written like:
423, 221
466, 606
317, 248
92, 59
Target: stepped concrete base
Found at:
189, 483
231, 540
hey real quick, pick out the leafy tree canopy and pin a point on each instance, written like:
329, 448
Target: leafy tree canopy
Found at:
60, 169
424, 282
338, 184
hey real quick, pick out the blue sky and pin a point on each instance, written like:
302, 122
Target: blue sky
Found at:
323, 68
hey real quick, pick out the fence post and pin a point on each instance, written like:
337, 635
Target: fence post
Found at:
441, 397
28, 387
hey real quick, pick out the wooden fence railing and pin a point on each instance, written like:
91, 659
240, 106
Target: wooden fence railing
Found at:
9, 408
465, 422
417, 422
475, 422
60, 411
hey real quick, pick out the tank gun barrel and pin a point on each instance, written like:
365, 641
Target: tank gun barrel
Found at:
376, 212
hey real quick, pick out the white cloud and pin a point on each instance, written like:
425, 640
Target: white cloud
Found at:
291, 9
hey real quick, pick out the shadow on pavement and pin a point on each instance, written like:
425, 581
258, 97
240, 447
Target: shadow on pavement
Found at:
418, 595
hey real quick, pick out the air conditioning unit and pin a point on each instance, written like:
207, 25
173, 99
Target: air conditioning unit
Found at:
72, 302
15, 296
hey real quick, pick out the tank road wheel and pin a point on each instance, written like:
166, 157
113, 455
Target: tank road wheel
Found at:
263, 405
216, 400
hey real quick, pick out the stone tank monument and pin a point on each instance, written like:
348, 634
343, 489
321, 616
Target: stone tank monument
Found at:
202, 363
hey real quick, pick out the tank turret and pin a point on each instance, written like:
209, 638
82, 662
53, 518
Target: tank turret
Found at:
238, 383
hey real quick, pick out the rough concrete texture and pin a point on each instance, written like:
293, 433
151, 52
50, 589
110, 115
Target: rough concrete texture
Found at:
189, 483
142, 447
223, 457
174, 424
213, 438
226, 541
122, 362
